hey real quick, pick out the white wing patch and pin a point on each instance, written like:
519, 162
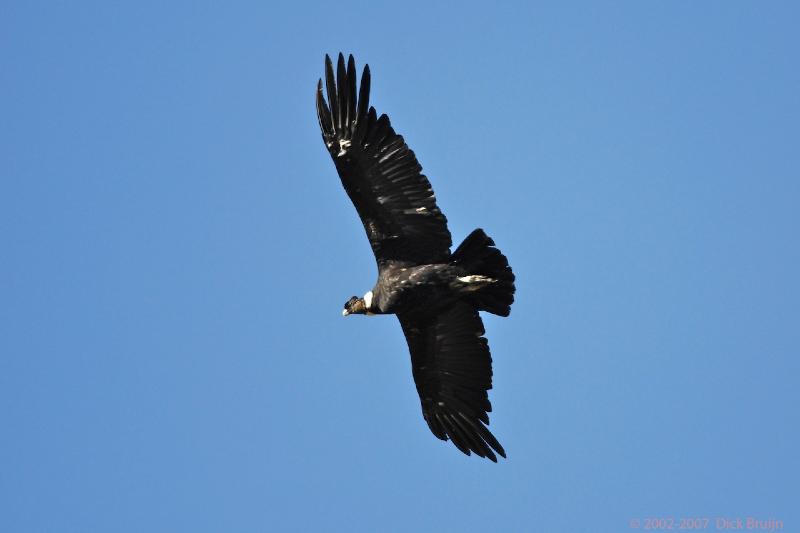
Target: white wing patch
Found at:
368, 300
343, 146
475, 279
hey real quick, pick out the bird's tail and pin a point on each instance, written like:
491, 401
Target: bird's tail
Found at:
489, 280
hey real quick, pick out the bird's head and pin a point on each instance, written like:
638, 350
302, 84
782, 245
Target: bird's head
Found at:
355, 306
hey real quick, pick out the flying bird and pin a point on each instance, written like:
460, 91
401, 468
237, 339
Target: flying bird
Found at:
435, 294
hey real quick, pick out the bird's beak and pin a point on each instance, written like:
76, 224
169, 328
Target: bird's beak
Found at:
345, 312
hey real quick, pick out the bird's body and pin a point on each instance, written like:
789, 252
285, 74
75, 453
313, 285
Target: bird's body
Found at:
407, 288
435, 294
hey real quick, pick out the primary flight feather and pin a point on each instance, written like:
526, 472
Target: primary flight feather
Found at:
435, 294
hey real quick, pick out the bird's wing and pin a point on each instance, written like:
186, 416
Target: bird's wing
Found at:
452, 369
380, 173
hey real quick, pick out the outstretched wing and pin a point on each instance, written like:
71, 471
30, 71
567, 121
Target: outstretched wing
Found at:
452, 369
380, 173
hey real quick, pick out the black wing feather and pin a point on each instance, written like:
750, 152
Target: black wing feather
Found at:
351, 92
380, 173
452, 368
330, 85
363, 103
341, 84
323, 113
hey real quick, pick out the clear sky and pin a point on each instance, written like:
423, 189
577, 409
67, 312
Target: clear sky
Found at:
177, 248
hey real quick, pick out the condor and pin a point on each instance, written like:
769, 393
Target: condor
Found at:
435, 294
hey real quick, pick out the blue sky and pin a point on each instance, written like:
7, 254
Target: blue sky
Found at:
177, 249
